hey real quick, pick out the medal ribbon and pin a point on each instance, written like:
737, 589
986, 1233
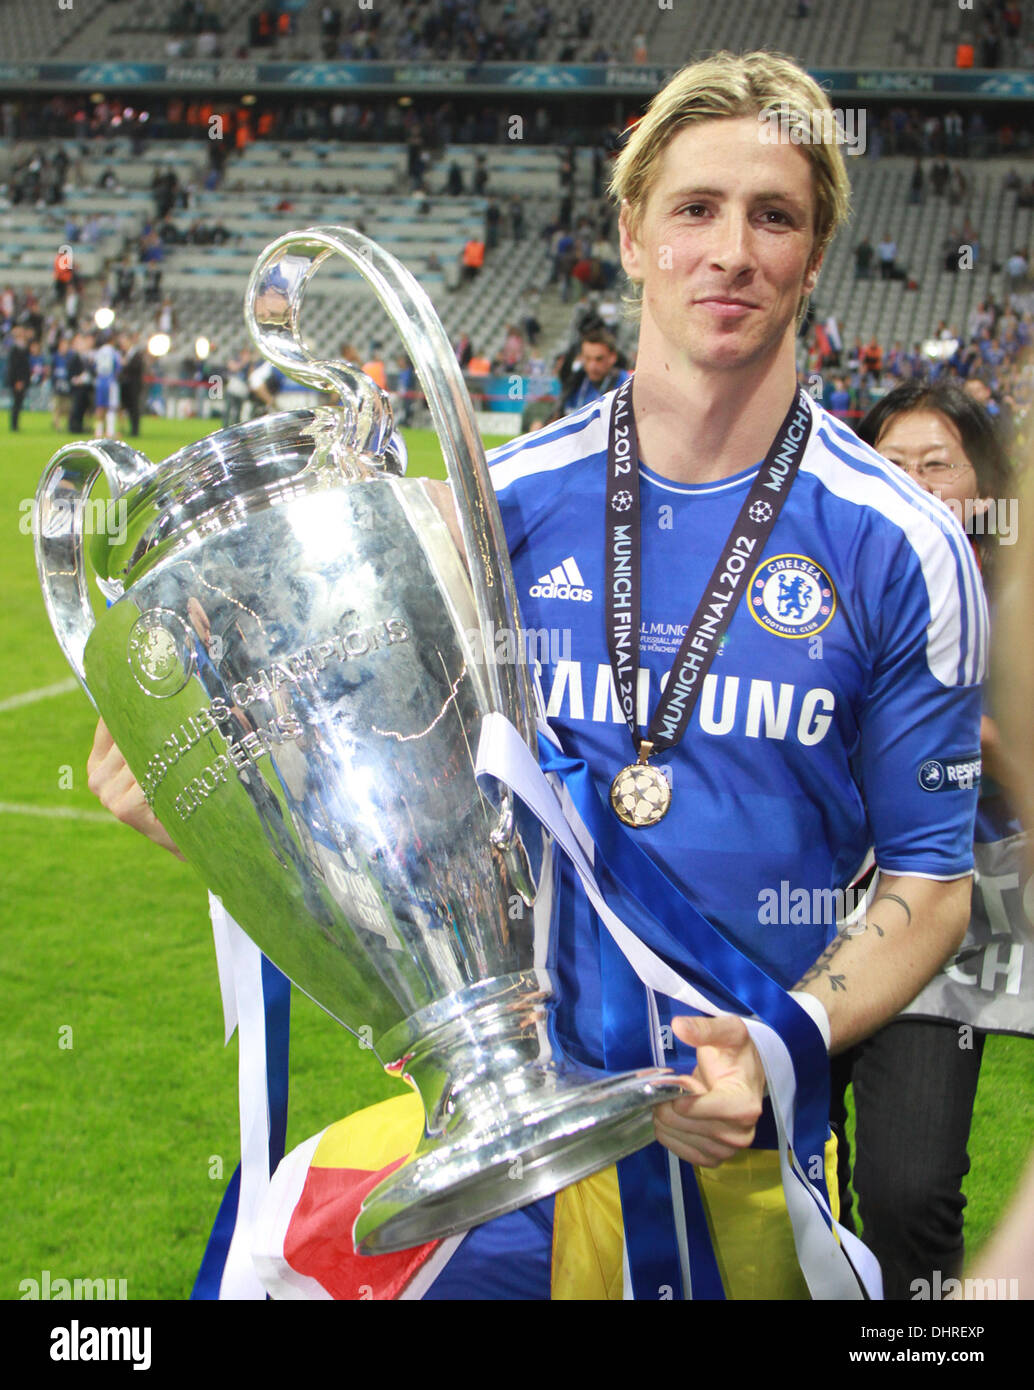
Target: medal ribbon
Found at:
714, 612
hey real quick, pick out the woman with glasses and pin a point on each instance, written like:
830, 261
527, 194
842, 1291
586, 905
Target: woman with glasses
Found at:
915, 1080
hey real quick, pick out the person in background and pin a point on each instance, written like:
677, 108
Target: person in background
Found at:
872, 361
595, 373
887, 251
18, 370
840, 402
264, 382
915, 186
910, 1194
81, 375
836, 342
107, 365
238, 369
406, 388
64, 273
60, 387
131, 378
375, 368
472, 258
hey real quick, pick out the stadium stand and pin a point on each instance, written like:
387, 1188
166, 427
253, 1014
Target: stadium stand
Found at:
830, 35
425, 177
274, 188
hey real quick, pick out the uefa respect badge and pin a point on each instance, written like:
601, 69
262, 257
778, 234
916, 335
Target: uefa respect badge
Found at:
792, 596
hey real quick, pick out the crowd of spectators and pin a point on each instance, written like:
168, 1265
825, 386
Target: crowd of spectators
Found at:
38, 178
955, 134
998, 37
50, 357
331, 119
584, 264
962, 244
443, 30
945, 138
194, 32
462, 30
989, 357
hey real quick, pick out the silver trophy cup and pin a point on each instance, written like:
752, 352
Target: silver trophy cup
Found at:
296, 660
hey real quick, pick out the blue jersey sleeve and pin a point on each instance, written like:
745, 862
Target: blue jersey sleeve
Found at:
919, 749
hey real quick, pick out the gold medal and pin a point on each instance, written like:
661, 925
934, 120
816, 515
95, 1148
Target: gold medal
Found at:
639, 794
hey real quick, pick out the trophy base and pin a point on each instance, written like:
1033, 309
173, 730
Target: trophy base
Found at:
578, 1122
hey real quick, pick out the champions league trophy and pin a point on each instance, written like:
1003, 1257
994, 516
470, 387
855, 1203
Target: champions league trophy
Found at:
296, 662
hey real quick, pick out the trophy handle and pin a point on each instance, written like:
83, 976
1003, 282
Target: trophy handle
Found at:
272, 307
58, 532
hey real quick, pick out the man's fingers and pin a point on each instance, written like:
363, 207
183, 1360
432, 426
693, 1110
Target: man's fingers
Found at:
706, 1149
125, 797
102, 745
109, 777
725, 1052
713, 1108
718, 1115
110, 780
724, 1030
707, 1141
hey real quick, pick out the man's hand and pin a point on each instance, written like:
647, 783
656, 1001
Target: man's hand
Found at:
110, 779
720, 1111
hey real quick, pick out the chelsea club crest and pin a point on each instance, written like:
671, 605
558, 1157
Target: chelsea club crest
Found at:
791, 596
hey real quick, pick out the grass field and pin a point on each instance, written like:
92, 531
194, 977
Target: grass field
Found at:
118, 1096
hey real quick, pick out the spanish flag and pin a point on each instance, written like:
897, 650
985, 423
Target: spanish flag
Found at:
304, 1246
569, 1247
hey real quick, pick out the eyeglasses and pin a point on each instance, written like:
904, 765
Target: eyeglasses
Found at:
936, 471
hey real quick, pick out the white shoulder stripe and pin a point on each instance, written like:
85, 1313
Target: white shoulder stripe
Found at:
566, 441
956, 643
976, 635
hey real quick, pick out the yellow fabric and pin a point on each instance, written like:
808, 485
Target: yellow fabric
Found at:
746, 1209
587, 1241
372, 1138
744, 1199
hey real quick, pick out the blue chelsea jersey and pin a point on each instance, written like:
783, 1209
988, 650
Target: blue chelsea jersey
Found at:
841, 713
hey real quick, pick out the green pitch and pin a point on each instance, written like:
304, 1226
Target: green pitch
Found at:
118, 1097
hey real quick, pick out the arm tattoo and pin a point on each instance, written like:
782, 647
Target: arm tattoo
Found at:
893, 898
823, 967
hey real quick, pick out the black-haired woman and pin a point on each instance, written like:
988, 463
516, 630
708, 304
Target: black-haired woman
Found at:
915, 1080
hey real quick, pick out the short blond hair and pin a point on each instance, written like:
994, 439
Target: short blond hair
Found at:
729, 86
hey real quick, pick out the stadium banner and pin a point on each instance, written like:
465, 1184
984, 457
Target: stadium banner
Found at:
496, 423
616, 79
989, 983
511, 393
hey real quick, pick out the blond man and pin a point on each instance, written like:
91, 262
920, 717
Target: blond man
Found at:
809, 635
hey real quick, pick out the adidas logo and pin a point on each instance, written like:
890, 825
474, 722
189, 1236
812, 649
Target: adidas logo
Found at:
563, 581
